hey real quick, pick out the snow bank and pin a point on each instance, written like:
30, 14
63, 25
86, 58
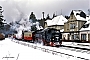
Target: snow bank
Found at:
21, 52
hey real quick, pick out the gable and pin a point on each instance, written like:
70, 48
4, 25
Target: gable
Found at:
77, 15
72, 17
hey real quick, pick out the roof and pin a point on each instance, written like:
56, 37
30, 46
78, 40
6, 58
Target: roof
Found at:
49, 22
79, 14
58, 20
62, 30
86, 26
88, 19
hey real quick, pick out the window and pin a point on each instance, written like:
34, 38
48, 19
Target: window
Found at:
83, 36
75, 37
72, 26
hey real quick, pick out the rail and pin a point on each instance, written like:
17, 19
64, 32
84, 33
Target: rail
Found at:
44, 49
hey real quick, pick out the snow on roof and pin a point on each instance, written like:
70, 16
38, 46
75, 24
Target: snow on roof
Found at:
87, 27
87, 24
88, 19
80, 15
49, 22
59, 20
62, 30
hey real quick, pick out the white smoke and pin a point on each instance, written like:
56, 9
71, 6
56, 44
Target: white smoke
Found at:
38, 26
24, 24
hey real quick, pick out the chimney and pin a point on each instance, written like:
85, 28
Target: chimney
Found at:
43, 14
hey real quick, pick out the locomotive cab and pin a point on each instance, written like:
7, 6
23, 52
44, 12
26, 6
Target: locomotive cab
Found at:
52, 37
56, 38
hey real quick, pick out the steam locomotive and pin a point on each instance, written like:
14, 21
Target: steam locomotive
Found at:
48, 37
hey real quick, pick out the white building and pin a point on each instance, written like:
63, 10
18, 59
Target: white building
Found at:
57, 22
71, 28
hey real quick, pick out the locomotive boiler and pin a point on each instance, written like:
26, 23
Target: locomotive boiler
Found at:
49, 36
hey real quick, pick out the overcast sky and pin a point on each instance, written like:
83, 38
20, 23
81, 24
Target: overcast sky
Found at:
13, 8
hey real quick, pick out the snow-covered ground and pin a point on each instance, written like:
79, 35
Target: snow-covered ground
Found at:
13, 51
9, 50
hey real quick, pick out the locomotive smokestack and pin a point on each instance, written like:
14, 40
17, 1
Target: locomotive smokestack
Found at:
43, 14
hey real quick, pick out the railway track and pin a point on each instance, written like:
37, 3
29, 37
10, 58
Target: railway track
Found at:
61, 51
87, 49
77, 49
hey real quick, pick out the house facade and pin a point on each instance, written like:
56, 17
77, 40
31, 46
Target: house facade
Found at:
72, 29
85, 31
73, 25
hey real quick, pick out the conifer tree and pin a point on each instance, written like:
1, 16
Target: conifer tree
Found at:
32, 17
54, 15
48, 17
1, 18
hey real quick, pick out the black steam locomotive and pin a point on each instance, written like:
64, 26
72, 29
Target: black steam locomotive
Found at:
49, 36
